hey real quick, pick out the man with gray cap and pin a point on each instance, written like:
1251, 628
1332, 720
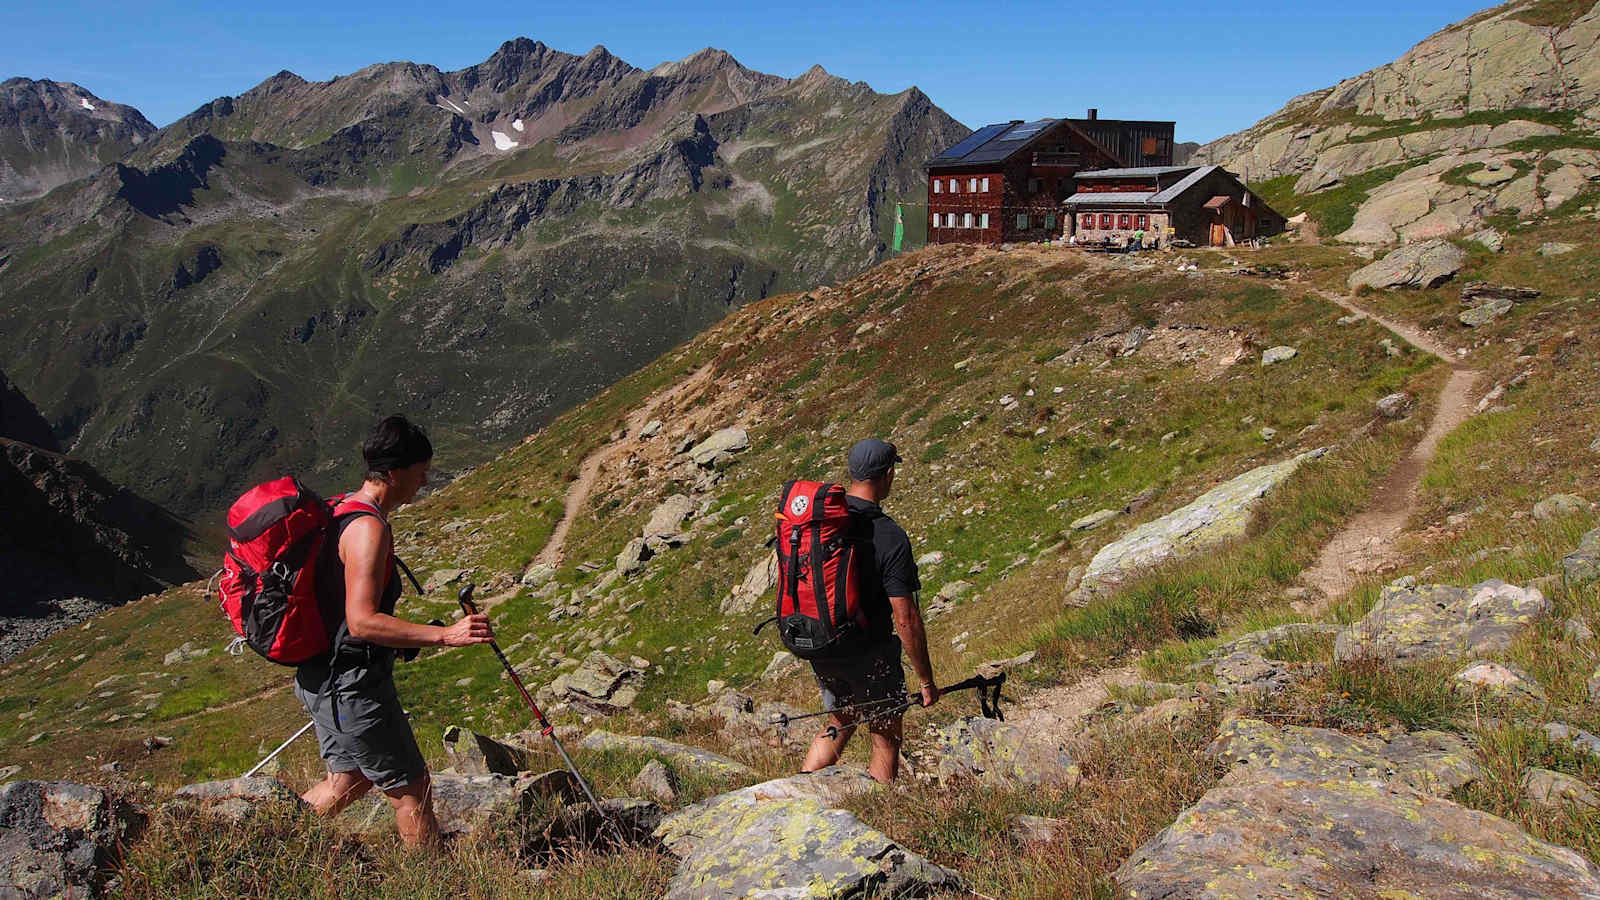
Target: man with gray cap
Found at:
889, 586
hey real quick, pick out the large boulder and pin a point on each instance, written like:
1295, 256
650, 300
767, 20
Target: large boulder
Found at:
1432, 762
781, 839
1476, 293
1339, 837
760, 578
1557, 506
682, 756
666, 521
60, 839
1424, 265
236, 799
994, 752
1484, 313
719, 448
1220, 514
601, 685
466, 804
1583, 564
1423, 622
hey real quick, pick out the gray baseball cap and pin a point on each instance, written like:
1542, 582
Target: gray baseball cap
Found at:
870, 458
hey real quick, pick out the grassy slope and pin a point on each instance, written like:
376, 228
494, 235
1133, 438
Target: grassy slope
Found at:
1012, 315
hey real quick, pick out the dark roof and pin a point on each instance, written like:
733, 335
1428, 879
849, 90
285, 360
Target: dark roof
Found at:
992, 143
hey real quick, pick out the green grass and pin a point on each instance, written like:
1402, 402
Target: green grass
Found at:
1333, 209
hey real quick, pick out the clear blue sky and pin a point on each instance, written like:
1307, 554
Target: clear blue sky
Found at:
1212, 68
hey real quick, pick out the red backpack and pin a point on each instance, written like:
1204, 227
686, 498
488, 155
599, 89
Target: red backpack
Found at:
819, 612
278, 536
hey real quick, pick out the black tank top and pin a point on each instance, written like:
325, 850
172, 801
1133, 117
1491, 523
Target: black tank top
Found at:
344, 644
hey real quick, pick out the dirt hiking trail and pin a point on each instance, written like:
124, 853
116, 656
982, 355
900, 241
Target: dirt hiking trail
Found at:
1367, 543
589, 469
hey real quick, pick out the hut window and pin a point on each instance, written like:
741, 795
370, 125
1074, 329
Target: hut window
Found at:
983, 218
986, 185
938, 186
1105, 220
972, 185
1124, 221
954, 186
1022, 221
1088, 220
1049, 220
966, 221
1141, 221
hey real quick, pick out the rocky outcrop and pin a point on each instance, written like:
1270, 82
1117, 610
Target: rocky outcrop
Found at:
235, 800
682, 756
718, 449
471, 753
467, 804
1583, 564
61, 839
20, 421
1221, 514
996, 753
1425, 265
72, 543
1428, 621
57, 132
601, 685
781, 839
755, 586
1309, 811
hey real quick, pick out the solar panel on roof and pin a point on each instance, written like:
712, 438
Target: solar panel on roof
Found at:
973, 141
1023, 132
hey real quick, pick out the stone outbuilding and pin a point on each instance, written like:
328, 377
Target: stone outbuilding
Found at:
1205, 206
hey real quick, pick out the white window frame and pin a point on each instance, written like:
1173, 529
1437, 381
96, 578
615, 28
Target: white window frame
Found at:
936, 221
983, 218
966, 220
985, 187
972, 185
938, 185
954, 189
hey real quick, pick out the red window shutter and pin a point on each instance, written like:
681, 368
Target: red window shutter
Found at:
1140, 221
1088, 220
1105, 220
1124, 221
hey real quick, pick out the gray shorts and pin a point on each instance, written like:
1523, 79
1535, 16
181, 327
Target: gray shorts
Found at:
869, 679
360, 723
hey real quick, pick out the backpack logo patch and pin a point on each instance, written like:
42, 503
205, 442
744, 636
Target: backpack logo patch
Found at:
799, 505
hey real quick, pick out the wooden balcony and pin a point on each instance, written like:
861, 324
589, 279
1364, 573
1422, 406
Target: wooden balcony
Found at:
1067, 160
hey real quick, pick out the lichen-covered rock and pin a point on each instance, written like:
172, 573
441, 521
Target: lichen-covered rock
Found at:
1220, 514
471, 753
666, 520
1583, 564
1339, 837
1424, 265
1489, 238
1555, 789
1556, 248
779, 839
1429, 761
680, 755
538, 575
236, 799
1499, 679
1562, 733
994, 752
1557, 505
1242, 673
1264, 641
60, 839
631, 558
1429, 621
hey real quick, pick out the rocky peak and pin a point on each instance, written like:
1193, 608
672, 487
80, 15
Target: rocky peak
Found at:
55, 132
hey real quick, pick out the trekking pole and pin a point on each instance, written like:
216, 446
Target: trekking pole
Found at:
545, 728
988, 699
281, 747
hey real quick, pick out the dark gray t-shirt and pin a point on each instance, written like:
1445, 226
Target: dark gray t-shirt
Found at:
890, 571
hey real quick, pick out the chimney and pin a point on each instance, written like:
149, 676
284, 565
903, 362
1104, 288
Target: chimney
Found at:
1093, 114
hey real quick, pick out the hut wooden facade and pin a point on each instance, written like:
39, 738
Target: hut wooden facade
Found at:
1201, 205
1006, 182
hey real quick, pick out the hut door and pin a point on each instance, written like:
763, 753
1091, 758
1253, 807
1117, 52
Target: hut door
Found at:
1219, 234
